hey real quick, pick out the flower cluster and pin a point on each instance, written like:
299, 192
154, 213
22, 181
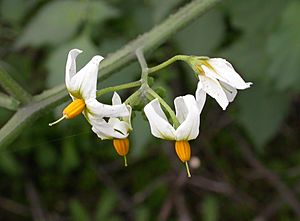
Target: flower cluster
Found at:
217, 78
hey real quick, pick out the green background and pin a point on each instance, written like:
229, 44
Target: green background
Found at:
249, 153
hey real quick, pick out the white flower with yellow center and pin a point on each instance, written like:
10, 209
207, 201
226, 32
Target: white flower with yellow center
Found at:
218, 79
81, 86
188, 116
115, 128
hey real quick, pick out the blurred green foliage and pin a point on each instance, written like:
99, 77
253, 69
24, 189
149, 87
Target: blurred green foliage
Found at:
77, 177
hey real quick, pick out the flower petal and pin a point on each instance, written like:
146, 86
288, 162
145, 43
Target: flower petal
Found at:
106, 130
180, 109
85, 81
71, 66
200, 96
160, 127
100, 110
225, 72
230, 92
116, 99
214, 89
189, 128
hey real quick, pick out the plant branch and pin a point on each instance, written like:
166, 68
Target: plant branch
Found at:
166, 63
118, 87
12, 87
148, 41
8, 102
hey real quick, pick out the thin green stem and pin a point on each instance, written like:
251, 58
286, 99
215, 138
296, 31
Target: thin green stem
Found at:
141, 58
166, 106
168, 62
12, 87
118, 87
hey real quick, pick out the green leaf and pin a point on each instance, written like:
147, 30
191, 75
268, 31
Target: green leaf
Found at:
254, 16
78, 212
57, 60
45, 156
58, 21
13, 10
262, 111
284, 50
210, 209
203, 36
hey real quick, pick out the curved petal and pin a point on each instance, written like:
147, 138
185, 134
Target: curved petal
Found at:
84, 82
225, 72
116, 99
100, 110
189, 129
230, 92
180, 109
120, 126
70, 70
213, 88
200, 96
106, 130
160, 127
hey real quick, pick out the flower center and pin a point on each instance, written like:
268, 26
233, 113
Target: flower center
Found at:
122, 147
71, 111
74, 109
183, 150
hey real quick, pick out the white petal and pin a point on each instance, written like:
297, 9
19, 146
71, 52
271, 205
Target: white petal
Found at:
160, 127
230, 92
120, 126
225, 72
71, 66
180, 109
85, 81
116, 99
106, 130
213, 88
189, 129
128, 119
100, 110
200, 96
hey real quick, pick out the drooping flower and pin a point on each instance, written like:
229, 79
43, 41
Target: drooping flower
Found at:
81, 86
218, 79
187, 114
115, 128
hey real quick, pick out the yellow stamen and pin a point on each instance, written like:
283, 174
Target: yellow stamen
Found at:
122, 148
183, 151
71, 111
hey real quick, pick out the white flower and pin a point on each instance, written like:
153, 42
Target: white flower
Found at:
188, 116
81, 86
187, 113
115, 127
218, 79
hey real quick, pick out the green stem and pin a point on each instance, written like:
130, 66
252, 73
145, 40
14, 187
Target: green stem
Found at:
168, 62
118, 87
12, 87
140, 56
8, 102
166, 106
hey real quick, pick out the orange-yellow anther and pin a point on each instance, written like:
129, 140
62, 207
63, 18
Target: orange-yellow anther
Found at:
121, 146
183, 150
74, 109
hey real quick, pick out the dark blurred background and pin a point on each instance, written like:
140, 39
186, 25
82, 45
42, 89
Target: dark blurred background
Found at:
249, 153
